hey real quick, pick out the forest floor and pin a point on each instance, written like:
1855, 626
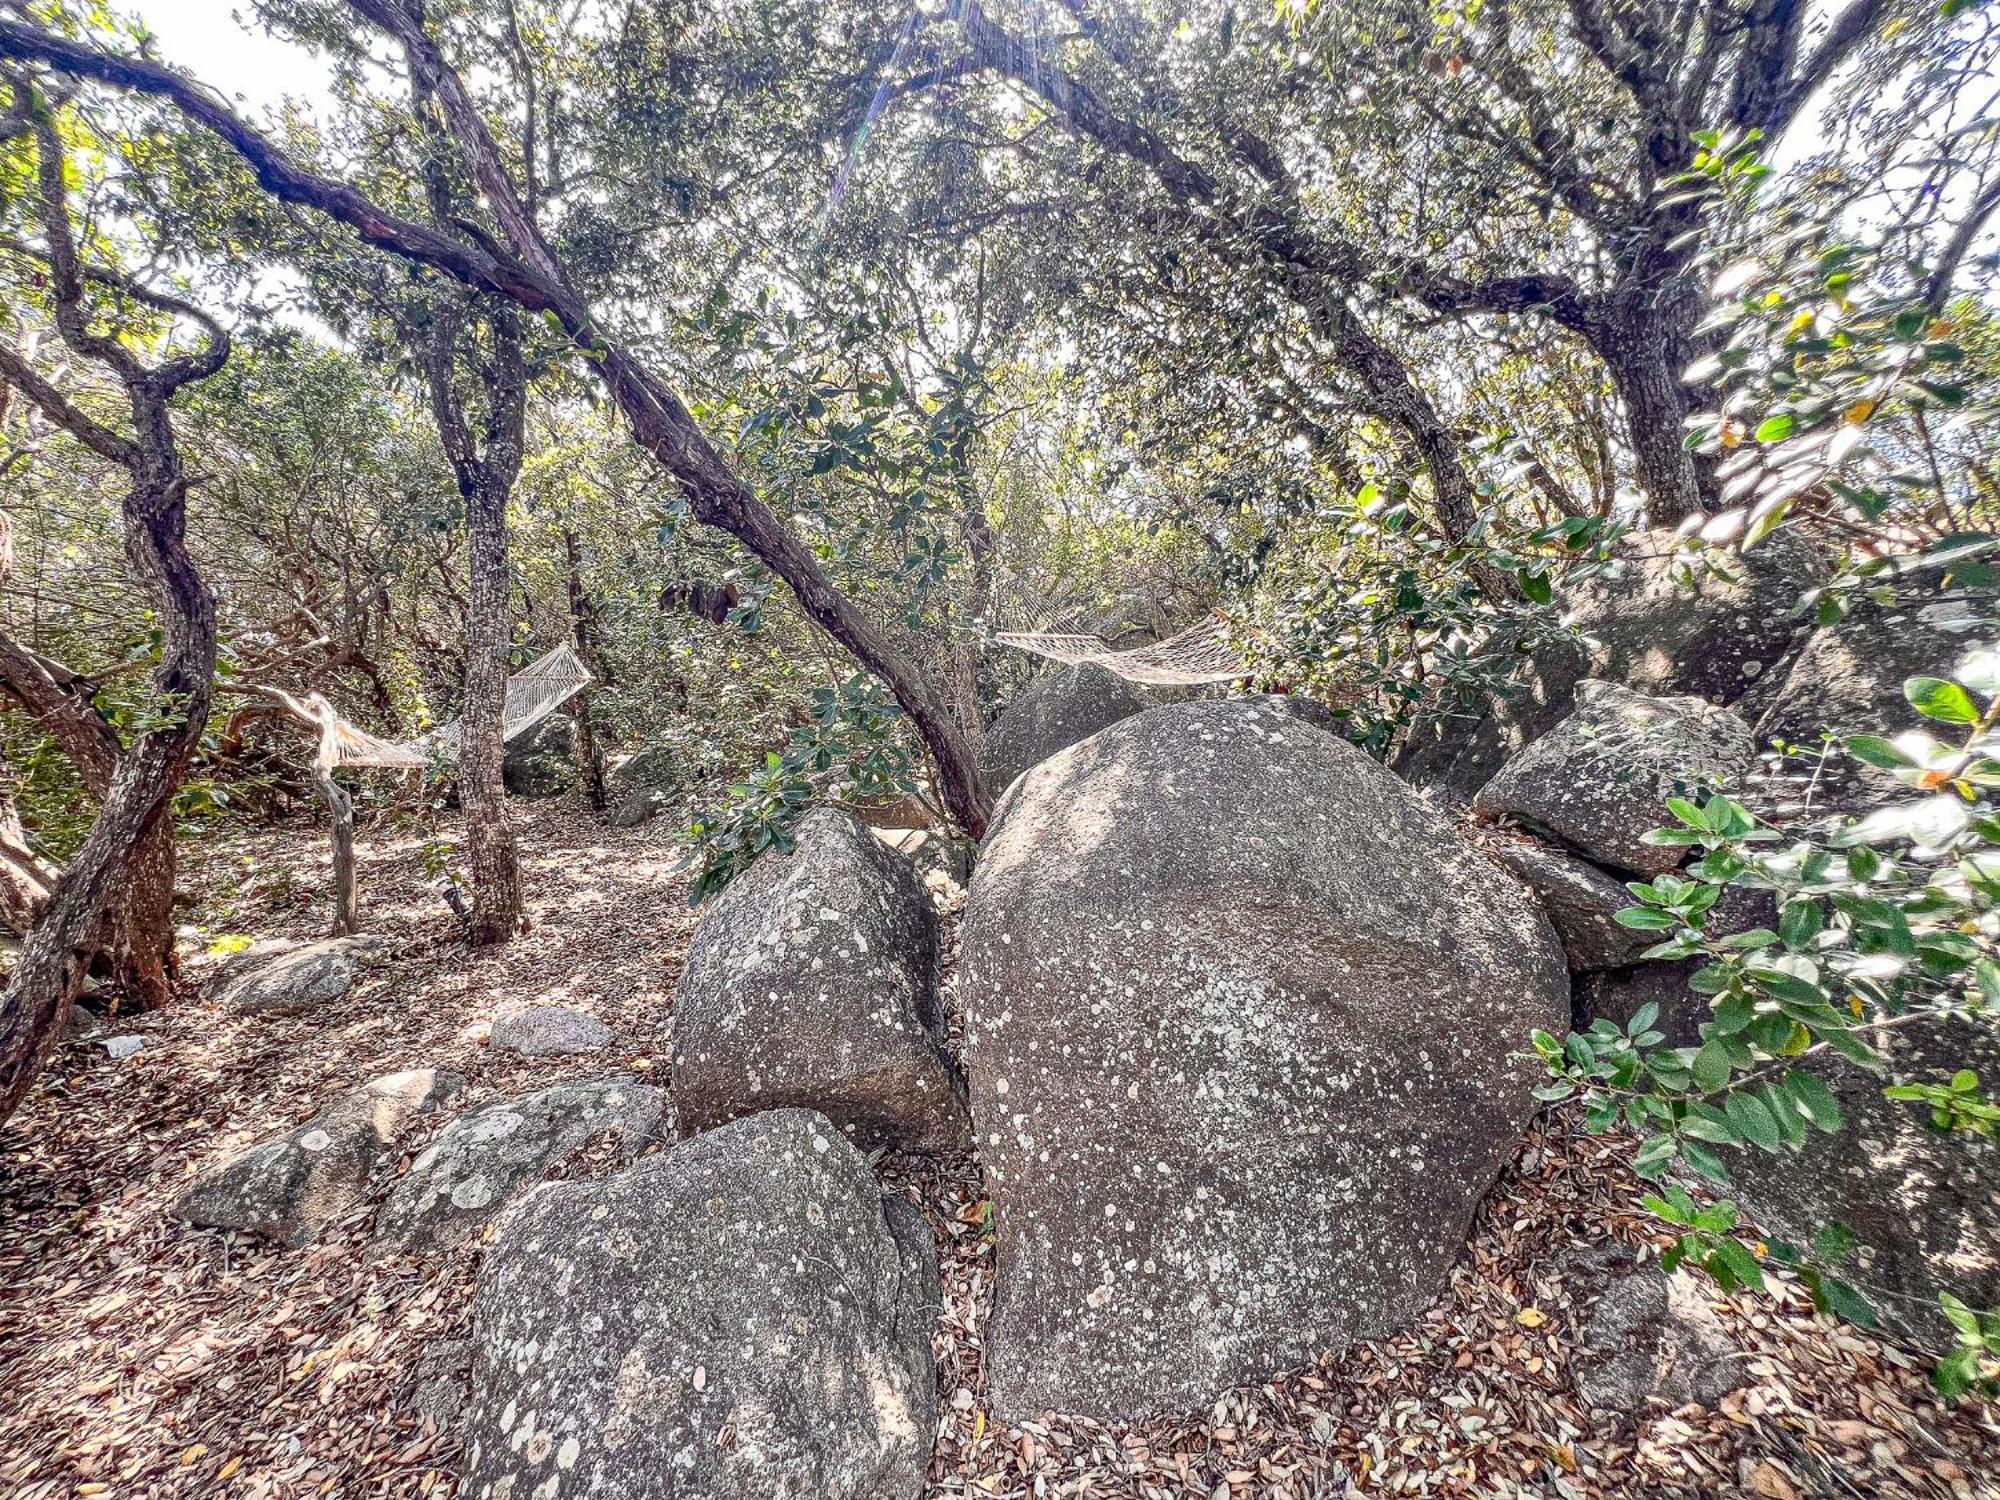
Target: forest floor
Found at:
141, 1358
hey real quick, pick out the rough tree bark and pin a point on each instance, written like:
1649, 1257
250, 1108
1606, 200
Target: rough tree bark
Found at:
527, 274
134, 950
50, 969
485, 468
586, 636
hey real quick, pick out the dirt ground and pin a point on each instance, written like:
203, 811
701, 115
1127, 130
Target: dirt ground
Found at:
141, 1358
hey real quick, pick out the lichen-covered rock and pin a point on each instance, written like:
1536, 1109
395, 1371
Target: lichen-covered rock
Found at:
291, 1188
484, 1159
643, 786
812, 983
730, 1320
542, 763
1582, 901
287, 979
1651, 624
548, 1031
1924, 1204
1599, 781
1060, 707
1247, 1033
1848, 678
1648, 1336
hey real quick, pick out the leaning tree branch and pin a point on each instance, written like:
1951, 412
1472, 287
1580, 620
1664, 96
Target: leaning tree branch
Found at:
660, 422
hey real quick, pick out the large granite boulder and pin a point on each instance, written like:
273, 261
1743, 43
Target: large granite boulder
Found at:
732, 1319
485, 1158
290, 1189
812, 982
1848, 678
1248, 1037
1060, 707
281, 977
1599, 781
1924, 1205
1652, 623
542, 762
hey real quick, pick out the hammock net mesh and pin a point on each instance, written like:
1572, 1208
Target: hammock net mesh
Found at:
1201, 653
533, 693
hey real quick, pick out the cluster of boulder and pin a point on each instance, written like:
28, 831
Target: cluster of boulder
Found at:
1244, 1018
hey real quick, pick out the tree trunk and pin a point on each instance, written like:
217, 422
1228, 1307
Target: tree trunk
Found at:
140, 938
132, 839
1656, 410
340, 823
496, 871
584, 635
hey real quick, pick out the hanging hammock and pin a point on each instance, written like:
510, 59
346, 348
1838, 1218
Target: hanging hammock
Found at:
533, 693
1201, 653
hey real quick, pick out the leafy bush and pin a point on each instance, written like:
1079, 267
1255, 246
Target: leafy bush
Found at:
852, 746
1887, 922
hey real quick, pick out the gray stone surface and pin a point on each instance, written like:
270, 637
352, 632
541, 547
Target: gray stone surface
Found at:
542, 763
1924, 1205
1060, 707
731, 1320
291, 1188
642, 786
1599, 780
487, 1157
640, 805
287, 979
1246, 1026
548, 1031
1648, 1338
1582, 901
812, 983
118, 1048
1849, 678
1644, 627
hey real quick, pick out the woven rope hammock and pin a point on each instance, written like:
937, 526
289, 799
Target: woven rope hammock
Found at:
1201, 653
533, 693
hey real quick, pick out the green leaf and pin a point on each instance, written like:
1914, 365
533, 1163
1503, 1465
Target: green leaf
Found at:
1935, 698
1877, 751
1776, 427
1654, 1155
1800, 922
1711, 1067
1748, 1114
1643, 919
1742, 1264
1834, 1242
1814, 1099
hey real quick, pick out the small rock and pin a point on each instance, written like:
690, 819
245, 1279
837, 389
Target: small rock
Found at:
731, 1319
1599, 781
1582, 901
118, 1048
291, 1188
1649, 1335
548, 1031
484, 1159
288, 979
812, 983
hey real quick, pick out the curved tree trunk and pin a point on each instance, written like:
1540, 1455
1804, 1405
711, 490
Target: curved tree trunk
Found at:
132, 836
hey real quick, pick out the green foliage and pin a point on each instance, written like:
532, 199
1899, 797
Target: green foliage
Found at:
1377, 611
1891, 921
852, 746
